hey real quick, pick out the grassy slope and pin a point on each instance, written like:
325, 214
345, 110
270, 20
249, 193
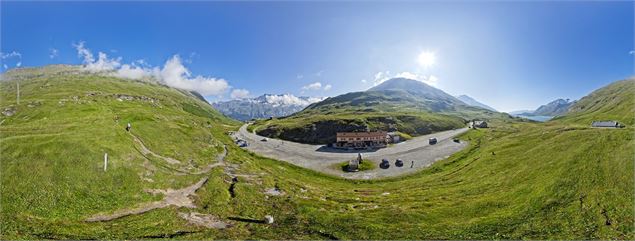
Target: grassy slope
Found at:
412, 123
613, 102
517, 180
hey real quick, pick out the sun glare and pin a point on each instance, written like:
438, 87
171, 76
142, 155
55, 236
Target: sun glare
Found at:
427, 59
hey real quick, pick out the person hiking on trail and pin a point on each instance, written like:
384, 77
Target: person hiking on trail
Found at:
412, 164
128, 127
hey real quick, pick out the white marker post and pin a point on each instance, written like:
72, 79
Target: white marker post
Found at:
105, 161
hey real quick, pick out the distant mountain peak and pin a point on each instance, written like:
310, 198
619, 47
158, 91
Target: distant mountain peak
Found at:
472, 102
264, 106
403, 84
554, 108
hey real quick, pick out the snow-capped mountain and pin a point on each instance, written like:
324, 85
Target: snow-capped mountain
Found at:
264, 106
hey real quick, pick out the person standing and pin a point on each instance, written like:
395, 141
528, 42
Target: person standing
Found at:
128, 127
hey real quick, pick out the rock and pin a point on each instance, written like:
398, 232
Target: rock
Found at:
9, 111
268, 219
274, 192
92, 93
34, 104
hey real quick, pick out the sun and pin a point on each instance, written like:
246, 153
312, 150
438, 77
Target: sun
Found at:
427, 59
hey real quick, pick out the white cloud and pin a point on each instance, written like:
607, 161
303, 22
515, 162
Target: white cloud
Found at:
84, 52
299, 76
632, 52
380, 77
327, 87
10, 55
103, 63
312, 86
176, 75
239, 94
432, 80
408, 75
53, 53
289, 99
364, 81
13, 55
173, 73
134, 72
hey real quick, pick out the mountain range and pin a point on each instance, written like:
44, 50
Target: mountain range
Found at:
404, 105
264, 106
555, 108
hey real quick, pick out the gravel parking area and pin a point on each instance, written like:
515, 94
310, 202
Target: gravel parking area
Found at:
415, 152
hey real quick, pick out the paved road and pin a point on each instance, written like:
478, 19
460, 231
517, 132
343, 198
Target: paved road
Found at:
319, 158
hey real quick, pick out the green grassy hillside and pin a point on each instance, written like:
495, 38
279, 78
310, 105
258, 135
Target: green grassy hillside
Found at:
612, 102
558, 180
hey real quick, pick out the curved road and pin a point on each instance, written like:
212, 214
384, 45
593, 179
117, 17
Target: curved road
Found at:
315, 157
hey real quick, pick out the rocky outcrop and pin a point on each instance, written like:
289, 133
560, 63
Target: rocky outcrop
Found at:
324, 131
321, 132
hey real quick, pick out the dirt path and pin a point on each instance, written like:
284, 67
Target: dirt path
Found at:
145, 151
179, 198
220, 161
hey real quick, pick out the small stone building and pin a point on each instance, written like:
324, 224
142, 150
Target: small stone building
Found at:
478, 124
607, 124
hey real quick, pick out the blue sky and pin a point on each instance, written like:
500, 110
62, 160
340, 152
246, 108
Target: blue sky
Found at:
510, 55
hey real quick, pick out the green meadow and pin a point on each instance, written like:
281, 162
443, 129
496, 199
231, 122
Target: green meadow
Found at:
516, 180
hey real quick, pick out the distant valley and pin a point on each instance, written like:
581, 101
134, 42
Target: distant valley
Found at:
545, 112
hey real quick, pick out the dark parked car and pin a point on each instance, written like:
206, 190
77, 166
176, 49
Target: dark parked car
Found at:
399, 163
456, 140
264, 139
432, 141
385, 164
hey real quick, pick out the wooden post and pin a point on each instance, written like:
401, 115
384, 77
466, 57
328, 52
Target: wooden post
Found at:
105, 161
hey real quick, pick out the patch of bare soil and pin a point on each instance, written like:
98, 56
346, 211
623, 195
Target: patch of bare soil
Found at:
178, 198
205, 220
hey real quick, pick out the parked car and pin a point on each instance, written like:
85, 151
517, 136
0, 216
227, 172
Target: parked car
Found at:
385, 164
399, 163
456, 140
243, 144
432, 141
264, 139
